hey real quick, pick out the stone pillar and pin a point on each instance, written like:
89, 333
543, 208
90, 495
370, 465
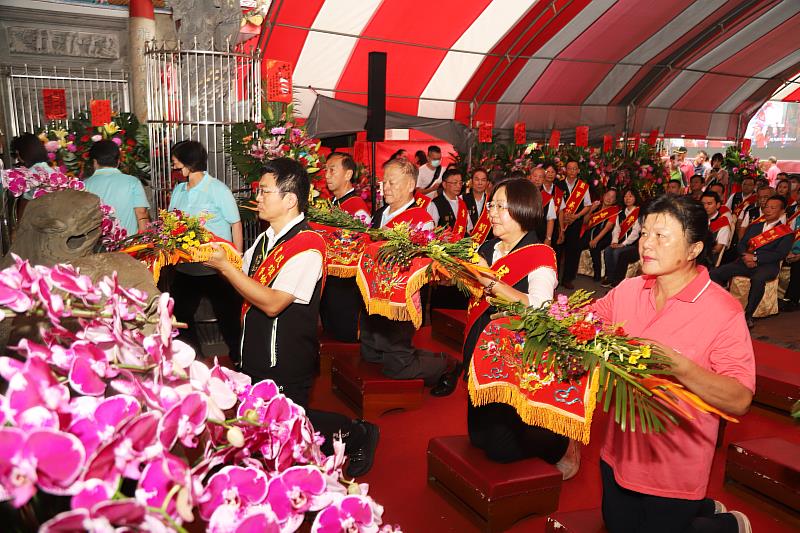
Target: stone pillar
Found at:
142, 29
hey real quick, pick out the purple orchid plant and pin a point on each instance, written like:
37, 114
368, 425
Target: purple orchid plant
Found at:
117, 418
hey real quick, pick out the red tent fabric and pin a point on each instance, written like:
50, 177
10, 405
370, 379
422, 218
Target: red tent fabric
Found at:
698, 68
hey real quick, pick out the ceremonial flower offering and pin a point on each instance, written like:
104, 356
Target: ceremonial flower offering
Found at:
109, 422
69, 147
39, 182
556, 362
250, 144
324, 213
175, 237
741, 165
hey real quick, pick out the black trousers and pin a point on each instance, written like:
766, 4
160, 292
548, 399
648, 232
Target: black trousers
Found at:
498, 430
627, 511
340, 308
597, 251
388, 342
759, 277
188, 290
572, 251
793, 290
622, 257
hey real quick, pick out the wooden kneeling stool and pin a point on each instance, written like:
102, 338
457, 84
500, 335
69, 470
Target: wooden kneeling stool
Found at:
777, 388
583, 521
494, 495
768, 306
363, 386
330, 348
768, 466
448, 325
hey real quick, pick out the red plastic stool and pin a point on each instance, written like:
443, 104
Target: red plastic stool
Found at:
494, 495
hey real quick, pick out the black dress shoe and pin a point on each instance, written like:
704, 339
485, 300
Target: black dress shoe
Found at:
448, 382
787, 306
567, 285
361, 458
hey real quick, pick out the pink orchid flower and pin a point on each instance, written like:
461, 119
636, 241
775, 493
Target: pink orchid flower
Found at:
233, 487
105, 516
106, 420
184, 421
44, 457
296, 491
351, 514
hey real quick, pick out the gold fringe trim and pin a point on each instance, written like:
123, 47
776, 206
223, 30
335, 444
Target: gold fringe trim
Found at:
541, 415
391, 310
342, 271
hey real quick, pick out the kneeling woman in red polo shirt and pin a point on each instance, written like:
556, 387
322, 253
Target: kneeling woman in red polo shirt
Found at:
657, 483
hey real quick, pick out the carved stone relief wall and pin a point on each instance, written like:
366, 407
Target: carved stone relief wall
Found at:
44, 41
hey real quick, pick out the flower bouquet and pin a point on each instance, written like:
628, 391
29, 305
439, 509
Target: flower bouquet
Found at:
556, 362
69, 148
111, 424
173, 238
38, 182
741, 165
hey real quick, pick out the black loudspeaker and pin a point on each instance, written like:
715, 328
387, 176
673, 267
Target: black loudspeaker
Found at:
376, 97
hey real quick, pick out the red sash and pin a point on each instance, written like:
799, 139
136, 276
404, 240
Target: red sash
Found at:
576, 197
482, 227
757, 220
797, 235
279, 255
353, 205
794, 216
723, 210
421, 200
558, 194
412, 215
460, 227
510, 270
627, 224
768, 236
718, 223
603, 215
746, 202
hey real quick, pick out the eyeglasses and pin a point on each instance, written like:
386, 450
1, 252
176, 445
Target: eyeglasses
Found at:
262, 190
491, 206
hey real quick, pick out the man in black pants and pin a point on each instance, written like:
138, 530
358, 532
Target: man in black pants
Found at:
575, 204
281, 282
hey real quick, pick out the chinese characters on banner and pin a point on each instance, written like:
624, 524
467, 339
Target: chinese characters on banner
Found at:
520, 135
485, 132
100, 110
555, 139
746, 146
653, 138
582, 136
608, 143
279, 81
55, 104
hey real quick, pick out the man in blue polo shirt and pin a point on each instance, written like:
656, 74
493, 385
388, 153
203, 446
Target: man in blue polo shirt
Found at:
122, 192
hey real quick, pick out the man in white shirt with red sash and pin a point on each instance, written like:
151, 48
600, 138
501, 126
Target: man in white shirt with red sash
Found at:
281, 282
719, 224
755, 212
389, 342
448, 209
476, 198
764, 245
574, 206
552, 195
341, 300
739, 201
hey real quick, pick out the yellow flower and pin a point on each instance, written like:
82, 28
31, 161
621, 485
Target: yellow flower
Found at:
43, 137
634, 358
645, 350
184, 246
111, 128
60, 134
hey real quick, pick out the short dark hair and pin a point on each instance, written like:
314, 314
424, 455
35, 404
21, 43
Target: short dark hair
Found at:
572, 160
749, 178
691, 216
421, 158
290, 177
717, 157
29, 148
455, 171
711, 194
636, 196
717, 184
191, 154
778, 198
105, 153
784, 174
514, 174
698, 176
524, 202
347, 163
433, 149
784, 180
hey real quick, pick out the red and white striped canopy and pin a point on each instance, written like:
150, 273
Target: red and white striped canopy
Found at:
698, 68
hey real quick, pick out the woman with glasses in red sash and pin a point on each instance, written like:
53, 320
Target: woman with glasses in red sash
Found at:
526, 272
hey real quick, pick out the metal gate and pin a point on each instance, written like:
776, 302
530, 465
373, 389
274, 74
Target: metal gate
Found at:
197, 95
24, 106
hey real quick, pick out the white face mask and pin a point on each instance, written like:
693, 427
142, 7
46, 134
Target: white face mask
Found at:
436, 162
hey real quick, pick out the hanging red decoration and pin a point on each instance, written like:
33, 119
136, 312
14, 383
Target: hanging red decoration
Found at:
279, 81
555, 139
608, 143
746, 146
582, 136
653, 138
520, 135
55, 104
100, 110
485, 132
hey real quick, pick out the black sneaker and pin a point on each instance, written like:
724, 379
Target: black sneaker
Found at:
361, 458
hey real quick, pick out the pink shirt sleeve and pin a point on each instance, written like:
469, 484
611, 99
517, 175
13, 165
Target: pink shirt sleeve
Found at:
732, 353
604, 307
